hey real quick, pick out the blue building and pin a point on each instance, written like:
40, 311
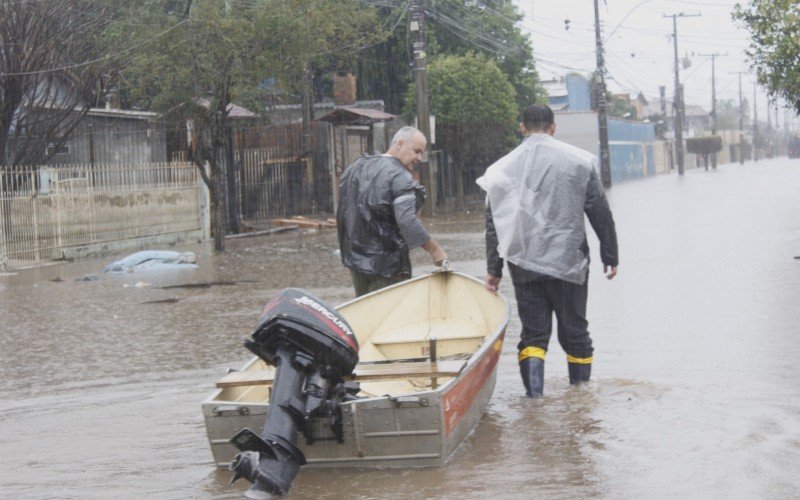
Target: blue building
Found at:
630, 143
571, 93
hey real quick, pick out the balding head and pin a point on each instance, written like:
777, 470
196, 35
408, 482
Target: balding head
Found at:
408, 145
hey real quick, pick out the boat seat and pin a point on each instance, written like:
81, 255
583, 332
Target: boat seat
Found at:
422, 331
363, 372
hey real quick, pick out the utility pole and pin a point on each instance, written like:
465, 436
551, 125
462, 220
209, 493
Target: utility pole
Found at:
741, 118
713, 99
768, 134
777, 131
678, 92
600, 90
420, 69
755, 123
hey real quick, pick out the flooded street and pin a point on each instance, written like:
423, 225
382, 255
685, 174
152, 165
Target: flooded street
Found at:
694, 390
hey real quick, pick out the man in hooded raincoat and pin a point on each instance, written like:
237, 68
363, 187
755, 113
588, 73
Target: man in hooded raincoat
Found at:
377, 216
537, 196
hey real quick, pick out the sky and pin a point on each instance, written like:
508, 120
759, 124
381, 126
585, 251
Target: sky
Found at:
639, 49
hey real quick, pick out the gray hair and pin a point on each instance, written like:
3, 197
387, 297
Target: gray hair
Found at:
404, 134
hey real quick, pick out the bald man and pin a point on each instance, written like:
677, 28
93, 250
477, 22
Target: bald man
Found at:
377, 216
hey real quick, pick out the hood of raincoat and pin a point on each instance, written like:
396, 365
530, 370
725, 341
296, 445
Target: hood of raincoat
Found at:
370, 240
537, 195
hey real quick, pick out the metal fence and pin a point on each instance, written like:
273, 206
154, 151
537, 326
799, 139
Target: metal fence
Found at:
46, 210
280, 171
271, 186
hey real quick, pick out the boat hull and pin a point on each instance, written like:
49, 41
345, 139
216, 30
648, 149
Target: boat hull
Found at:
413, 429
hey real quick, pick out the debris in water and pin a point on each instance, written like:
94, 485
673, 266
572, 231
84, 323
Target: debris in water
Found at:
163, 301
207, 284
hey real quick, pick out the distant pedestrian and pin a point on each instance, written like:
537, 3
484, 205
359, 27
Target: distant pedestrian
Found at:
377, 216
537, 196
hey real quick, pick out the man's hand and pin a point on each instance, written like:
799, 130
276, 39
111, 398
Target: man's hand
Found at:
610, 271
492, 283
439, 258
437, 253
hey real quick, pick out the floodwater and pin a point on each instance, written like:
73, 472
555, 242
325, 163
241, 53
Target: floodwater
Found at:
694, 391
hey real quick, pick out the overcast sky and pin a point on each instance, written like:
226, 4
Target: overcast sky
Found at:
639, 48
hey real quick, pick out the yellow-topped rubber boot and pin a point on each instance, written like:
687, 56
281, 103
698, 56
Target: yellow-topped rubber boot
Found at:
531, 368
580, 369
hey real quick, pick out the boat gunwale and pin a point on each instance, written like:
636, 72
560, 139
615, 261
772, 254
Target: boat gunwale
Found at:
471, 362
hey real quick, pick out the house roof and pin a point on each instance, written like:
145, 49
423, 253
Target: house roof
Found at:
234, 111
122, 113
695, 110
555, 88
356, 116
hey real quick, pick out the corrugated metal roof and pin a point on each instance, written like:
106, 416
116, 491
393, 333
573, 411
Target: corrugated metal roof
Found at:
122, 113
356, 115
234, 111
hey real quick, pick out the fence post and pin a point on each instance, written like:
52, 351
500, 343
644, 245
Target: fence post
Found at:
205, 204
3, 252
37, 253
56, 193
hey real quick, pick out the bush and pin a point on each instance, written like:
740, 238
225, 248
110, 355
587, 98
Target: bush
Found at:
705, 145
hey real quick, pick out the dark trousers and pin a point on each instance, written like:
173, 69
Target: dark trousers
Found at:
365, 283
538, 298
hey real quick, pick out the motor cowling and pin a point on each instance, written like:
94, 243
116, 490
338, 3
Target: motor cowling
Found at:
297, 318
313, 348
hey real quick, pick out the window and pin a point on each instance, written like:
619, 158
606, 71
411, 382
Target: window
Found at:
58, 150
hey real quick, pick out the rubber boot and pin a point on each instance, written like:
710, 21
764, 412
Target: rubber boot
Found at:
579, 372
532, 371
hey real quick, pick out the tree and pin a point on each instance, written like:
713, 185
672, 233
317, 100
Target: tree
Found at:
488, 27
620, 107
475, 108
53, 69
727, 114
383, 70
453, 27
219, 49
704, 146
774, 27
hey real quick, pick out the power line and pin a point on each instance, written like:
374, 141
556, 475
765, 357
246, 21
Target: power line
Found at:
95, 61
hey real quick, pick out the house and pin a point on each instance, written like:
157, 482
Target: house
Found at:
632, 147
103, 135
696, 118
570, 93
108, 135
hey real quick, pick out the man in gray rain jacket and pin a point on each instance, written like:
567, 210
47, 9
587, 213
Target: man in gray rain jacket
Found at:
377, 217
537, 196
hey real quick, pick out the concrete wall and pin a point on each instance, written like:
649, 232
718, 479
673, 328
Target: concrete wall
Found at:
578, 129
631, 149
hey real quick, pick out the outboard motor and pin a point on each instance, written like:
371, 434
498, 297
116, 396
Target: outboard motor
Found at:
312, 348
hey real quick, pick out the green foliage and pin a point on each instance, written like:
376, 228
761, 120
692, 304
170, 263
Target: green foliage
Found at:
620, 108
475, 112
232, 46
453, 27
469, 91
704, 145
216, 50
382, 70
774, 27
490, 28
